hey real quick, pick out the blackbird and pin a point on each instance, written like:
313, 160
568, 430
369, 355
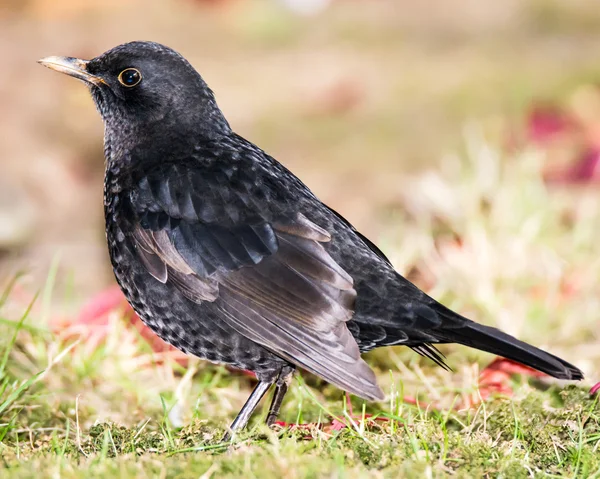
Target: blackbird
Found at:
228, 256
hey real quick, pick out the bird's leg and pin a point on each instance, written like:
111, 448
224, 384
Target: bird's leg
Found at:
283, 383
244, 415
280, 390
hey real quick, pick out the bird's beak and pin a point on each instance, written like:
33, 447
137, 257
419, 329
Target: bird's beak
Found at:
73, 67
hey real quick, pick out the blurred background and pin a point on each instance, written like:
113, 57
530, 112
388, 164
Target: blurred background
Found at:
360, 98
461, 136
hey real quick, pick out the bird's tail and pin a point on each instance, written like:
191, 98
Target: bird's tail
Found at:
492, 340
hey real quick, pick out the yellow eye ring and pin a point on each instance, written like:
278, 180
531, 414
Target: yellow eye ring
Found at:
130, 77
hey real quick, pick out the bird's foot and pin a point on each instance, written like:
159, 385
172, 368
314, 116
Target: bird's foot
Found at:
595, 389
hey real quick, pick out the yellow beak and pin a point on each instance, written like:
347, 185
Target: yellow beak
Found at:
73, 67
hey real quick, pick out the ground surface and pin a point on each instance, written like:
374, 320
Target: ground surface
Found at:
491, 241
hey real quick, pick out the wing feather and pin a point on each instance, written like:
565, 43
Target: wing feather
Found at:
273, 280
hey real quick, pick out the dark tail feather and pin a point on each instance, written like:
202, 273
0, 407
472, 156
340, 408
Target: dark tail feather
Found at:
494, 341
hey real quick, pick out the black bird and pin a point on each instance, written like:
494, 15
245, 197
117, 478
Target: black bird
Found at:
228, 256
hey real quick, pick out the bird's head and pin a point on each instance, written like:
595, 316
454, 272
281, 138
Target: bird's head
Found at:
145, 86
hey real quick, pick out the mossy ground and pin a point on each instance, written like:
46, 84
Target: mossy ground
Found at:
549, 433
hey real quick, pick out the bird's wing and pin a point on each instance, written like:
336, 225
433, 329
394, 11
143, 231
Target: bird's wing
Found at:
273, 281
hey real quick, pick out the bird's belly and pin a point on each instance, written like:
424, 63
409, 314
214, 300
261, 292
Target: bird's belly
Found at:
193, 328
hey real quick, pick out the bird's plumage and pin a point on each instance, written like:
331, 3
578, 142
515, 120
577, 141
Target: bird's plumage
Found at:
229, 256
270, 275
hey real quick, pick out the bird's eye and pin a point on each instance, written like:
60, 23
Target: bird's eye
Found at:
130, 77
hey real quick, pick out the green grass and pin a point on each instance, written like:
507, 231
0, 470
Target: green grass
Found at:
528, 262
